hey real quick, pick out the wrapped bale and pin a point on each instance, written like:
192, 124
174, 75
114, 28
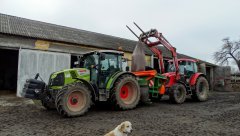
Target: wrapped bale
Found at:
138, 58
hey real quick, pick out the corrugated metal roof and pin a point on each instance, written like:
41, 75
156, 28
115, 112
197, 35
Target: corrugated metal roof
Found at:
40, 30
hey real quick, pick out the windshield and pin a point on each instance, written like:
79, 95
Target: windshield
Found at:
89, 60
188, 66
111, 63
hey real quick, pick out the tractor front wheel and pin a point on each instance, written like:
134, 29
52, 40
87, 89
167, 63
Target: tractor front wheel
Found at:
73, 100
202, 90
178, 93
126, 92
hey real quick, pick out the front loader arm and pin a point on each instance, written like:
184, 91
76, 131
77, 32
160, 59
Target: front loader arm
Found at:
145, 36
160, 39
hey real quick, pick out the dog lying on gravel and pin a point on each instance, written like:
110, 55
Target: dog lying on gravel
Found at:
121, 130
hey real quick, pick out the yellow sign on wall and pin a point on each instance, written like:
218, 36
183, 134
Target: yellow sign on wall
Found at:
129, 57
42, 45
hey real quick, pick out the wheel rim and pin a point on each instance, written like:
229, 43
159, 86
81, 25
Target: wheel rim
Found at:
128, 93
76, 101
124, 92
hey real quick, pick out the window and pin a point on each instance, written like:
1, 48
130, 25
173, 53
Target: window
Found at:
110, 62
184, 66
89, 60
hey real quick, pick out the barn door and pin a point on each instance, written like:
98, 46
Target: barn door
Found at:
202, 68
32, 62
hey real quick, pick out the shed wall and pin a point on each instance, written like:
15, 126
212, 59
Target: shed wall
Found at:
42, 62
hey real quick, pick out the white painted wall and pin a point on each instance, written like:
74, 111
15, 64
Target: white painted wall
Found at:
32, 62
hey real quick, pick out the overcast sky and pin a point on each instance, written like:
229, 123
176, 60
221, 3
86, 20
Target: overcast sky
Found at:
194, 27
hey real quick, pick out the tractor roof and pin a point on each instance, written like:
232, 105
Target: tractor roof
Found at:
186, 59
106, 51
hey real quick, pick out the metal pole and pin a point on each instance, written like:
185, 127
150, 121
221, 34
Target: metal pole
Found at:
138, 27
141, 30
132, 32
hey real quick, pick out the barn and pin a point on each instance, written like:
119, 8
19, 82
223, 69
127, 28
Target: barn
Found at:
28, 47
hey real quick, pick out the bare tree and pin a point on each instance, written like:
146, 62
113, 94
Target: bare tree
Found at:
229, 50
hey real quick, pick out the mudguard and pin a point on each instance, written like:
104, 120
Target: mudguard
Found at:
114, 77
93, 91
170, 79
194, 78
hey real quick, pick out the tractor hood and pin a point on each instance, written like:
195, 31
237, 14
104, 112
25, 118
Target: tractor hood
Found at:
170, 78
61, 78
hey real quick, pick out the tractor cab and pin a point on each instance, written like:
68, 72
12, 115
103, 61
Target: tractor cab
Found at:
102, 65
187, 67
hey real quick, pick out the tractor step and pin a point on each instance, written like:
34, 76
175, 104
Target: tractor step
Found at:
102, 95
189, 90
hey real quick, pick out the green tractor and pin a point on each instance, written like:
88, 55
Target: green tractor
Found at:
99, 78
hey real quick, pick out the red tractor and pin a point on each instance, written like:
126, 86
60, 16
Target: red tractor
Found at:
182, 75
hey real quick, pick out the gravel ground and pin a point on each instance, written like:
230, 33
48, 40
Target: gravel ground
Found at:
220, 115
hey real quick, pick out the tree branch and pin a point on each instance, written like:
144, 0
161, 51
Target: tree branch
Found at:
227, 52
225, 60
237, 46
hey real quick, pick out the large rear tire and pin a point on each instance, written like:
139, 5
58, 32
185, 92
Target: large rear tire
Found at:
73, 100
178, 93
202, 90
126, 92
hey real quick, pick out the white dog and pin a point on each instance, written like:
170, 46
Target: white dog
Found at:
121, 130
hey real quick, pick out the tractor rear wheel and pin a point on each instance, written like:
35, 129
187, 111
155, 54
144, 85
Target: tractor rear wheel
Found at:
178, 93
73, 100
126, 92
202, 90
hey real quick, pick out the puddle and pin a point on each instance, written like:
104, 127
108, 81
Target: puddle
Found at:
12, 100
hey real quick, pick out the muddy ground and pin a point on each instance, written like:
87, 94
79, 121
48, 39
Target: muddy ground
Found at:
218, 116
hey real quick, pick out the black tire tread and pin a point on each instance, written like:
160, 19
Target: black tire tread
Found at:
172, 97
59, 100
195, 95
114, 99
